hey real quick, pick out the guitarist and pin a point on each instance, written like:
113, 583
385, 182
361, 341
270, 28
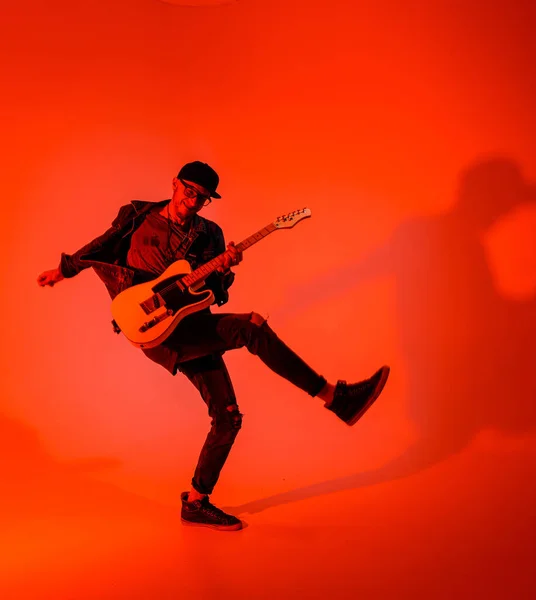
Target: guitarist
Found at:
143, 240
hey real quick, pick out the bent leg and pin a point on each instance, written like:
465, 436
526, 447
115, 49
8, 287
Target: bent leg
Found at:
210, 376
205, 333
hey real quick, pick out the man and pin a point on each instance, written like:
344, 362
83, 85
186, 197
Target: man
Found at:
144, 239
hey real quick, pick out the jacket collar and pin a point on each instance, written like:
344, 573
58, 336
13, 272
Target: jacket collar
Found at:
142, 206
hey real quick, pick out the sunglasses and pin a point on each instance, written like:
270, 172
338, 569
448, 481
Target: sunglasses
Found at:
191, 192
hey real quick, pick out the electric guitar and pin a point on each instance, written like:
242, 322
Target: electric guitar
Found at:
149, 312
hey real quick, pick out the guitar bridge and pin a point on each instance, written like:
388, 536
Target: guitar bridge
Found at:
151, 304
150, 324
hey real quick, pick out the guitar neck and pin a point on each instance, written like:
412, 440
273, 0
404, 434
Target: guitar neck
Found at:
201, 273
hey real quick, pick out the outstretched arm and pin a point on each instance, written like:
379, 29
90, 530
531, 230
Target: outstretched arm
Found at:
70, 264
50, 277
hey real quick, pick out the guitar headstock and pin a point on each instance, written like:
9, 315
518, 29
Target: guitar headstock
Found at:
290, 219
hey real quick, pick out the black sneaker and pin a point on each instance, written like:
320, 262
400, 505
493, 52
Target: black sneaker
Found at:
204, 514
351, 401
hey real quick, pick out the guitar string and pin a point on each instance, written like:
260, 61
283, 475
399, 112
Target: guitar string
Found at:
172, 285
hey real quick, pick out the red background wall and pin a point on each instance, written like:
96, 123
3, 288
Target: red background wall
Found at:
407, 131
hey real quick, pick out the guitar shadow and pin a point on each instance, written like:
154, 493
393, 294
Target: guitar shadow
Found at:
468, 352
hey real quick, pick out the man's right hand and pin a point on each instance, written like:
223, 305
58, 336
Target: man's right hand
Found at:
49, 277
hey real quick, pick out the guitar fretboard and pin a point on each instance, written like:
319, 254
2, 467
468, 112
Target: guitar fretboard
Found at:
205, 270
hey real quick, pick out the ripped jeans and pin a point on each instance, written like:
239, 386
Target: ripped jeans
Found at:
201, 339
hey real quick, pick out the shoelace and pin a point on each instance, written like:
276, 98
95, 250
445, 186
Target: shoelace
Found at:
362, 385
214, 511
353, 388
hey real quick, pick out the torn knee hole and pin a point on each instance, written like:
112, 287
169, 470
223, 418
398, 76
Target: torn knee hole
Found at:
236, 415
257, 319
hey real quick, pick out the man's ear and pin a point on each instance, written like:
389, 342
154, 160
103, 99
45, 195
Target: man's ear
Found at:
175, 182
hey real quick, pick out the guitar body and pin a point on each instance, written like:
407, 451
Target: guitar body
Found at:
149, 312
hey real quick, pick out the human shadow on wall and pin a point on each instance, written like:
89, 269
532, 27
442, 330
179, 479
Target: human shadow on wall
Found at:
468, 351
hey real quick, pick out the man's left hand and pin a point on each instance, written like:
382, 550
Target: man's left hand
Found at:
231, 257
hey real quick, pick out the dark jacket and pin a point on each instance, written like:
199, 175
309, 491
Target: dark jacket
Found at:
107, 255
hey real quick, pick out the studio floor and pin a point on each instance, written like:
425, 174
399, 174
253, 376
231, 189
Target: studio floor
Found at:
430, 535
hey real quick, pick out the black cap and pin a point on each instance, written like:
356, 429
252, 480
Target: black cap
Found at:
202, 174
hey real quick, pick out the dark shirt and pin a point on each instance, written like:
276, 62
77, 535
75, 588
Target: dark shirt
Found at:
108, 255
157, 243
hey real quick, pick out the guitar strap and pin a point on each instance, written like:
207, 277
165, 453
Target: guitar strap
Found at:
185, 244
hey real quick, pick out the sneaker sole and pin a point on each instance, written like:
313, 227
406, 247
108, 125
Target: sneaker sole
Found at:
377, 391
236, 527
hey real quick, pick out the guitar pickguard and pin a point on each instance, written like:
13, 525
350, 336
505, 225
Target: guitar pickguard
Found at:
173, 281
174, 296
